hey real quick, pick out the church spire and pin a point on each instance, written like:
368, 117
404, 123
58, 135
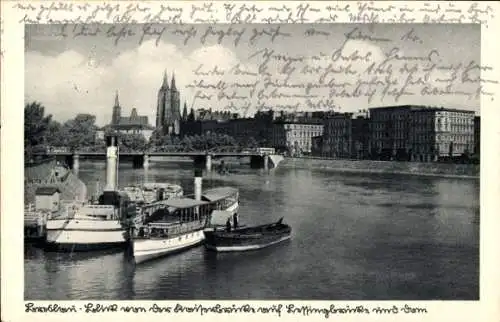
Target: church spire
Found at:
185, 112
117, 102
165, 80
173, 82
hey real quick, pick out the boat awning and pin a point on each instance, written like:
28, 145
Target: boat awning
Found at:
219, 193
183, 203
219, 217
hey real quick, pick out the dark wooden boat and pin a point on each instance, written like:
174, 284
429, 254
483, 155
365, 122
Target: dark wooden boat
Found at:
248, 238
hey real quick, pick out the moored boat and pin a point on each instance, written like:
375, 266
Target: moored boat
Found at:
247, 238
178, 223
86, 226
175, 227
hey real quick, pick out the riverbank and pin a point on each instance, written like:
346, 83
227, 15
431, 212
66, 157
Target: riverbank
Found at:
466, 171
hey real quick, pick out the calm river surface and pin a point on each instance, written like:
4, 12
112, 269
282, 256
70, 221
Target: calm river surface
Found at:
355, 237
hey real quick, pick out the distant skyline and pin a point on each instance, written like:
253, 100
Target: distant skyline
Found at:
71, 75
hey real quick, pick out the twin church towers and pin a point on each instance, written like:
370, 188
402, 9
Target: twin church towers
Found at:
168, 113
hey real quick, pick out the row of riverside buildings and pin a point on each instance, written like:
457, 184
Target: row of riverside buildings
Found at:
405, 132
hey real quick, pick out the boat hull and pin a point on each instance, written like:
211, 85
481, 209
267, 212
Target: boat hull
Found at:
150, 249
244, 246
245, 239
85, 235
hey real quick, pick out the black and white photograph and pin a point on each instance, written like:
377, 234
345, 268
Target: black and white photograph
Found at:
273, 161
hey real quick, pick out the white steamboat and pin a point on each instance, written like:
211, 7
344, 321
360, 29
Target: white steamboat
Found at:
179, 224
95, 226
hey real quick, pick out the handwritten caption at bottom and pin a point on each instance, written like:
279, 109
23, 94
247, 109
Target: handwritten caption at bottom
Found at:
203, 309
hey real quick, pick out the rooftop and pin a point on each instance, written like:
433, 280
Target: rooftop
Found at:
219, 193
47, 191
184, 203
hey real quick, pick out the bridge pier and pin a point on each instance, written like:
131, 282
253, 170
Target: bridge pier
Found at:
260, 162
76, 163
208, 162
145, 163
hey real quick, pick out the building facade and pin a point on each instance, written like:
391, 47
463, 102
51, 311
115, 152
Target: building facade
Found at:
454, 132
168, 113
346, 136
296, 138
317, 146
337, 142
390, 131
420, 133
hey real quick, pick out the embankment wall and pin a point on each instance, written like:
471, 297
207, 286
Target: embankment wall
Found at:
389, 167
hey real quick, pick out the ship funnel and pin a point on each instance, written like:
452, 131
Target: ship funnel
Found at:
111, 162
198, 178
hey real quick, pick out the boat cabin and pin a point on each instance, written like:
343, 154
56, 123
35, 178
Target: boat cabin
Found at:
119, 200
222, 198
177, 217
47, 198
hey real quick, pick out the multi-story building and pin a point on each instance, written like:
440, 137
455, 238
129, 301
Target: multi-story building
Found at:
454, 132
295, 137
360, 138
346, 136
390, 130
441, 133
423, 135
337, 142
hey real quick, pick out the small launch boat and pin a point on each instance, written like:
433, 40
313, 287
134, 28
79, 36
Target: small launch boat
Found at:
247, 238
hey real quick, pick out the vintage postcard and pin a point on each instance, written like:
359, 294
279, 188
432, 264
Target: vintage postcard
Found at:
249, 160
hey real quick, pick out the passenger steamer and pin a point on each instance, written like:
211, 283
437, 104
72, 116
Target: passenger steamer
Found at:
106, 224
180, 224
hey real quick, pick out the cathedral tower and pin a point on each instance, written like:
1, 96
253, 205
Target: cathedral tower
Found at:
164, 106
117, 111
176, 108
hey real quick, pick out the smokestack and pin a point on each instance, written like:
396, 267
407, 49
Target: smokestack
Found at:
111, 162
198, 177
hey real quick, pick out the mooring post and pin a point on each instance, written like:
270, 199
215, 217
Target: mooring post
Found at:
266, 162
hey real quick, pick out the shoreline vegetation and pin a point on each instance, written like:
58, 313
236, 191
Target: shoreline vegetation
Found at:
429, 169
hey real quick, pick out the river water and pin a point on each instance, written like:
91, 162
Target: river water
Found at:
355, 237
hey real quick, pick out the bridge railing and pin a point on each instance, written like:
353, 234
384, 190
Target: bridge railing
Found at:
162, 149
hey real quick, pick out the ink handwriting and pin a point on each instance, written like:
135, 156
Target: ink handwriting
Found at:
270, 76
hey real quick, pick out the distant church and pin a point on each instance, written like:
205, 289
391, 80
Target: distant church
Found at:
168, 113
133, 124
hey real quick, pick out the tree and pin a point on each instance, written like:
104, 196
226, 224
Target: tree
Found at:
54, 135
80, 131
132, 142
35, 124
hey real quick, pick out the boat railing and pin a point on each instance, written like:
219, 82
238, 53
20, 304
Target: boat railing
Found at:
172, 229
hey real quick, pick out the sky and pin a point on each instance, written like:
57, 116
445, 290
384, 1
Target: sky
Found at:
77, 73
